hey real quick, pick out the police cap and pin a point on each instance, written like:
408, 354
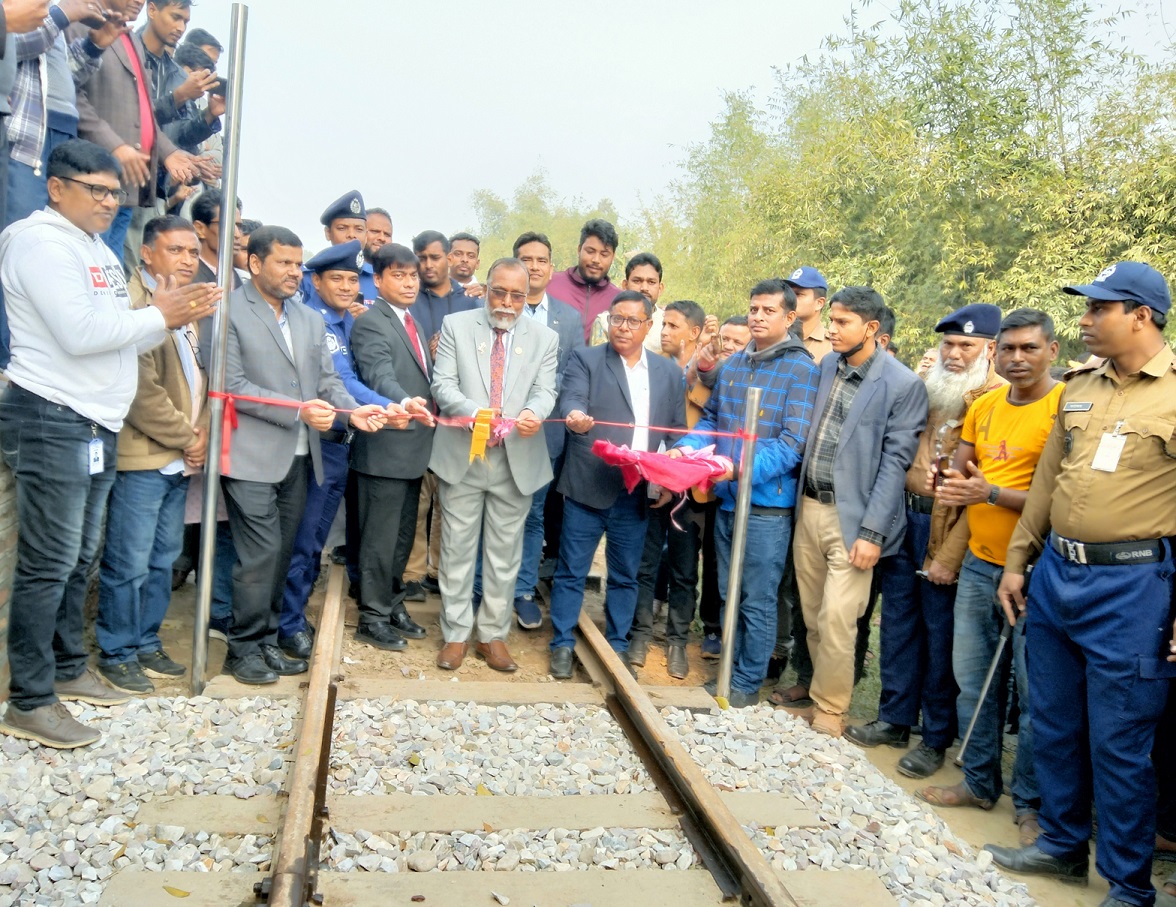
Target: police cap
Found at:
349, 205
976, 320
346, 256
1128, 280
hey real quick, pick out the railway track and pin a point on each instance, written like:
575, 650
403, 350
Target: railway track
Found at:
308, 819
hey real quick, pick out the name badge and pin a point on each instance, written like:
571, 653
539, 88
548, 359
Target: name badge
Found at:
96, 456
1077, 407
1110, 448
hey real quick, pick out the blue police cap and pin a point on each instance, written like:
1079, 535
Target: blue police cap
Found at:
349, 205
346, 256
976, 320
1128, 280
807, 278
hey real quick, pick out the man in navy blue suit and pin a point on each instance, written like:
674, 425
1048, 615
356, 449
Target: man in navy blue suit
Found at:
615, 382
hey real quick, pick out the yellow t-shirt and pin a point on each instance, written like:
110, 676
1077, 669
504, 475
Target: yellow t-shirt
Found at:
1008, 441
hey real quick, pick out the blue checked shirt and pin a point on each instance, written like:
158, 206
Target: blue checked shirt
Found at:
789, 382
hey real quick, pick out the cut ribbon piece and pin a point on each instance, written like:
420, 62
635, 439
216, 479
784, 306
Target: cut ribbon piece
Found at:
481, 434
694, 469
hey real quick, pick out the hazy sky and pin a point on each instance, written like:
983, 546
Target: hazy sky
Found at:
420, 105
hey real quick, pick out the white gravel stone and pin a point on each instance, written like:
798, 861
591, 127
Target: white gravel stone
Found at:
870, 822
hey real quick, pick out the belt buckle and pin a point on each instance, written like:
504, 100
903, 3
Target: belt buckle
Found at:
1075, 551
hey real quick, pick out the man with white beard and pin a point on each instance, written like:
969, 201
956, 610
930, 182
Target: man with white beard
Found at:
918, 583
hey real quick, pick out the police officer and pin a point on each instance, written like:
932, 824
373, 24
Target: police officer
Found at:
334, 275
1100, 514
345, 220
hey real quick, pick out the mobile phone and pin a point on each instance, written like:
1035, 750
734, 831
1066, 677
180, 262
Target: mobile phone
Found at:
942, 465
219, 88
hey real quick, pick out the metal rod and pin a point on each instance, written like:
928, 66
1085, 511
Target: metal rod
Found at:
1005, 633
739, 541
760, 885
290, 869
216, 371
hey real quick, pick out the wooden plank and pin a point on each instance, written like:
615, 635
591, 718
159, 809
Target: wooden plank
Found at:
601, 888
393, 813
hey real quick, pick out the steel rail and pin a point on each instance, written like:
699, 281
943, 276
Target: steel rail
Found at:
758, 883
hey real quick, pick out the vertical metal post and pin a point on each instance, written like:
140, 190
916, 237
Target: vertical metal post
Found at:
216, 371
739, 540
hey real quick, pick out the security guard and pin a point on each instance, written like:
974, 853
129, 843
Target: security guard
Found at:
344, 220
334, 275
1101, 513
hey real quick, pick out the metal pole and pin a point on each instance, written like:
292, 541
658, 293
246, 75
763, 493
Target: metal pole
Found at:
1005, 633
216, 372
739, 541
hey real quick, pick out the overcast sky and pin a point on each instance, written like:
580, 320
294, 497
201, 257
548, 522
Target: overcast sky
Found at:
420, 105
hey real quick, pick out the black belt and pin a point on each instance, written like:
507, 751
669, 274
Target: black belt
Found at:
919, 503
1108, 554
771, 511
336, 436
823, 497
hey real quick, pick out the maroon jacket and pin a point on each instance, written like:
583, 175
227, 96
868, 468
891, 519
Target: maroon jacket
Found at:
589, 299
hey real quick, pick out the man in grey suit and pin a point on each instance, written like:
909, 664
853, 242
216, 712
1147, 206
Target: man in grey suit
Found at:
392, 358
489, 358
534, 251
869, 413
276, 351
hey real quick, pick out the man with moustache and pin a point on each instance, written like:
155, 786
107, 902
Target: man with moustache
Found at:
163, 441
643, 273
586, 287
379, 232
489, 358
776, 361
1003, 436
71, 382
618, 382
393, 360
439, 297
1098, 614
918, 582
277, 349
534, 251
464, 251
345, 220
335, 274
810, 288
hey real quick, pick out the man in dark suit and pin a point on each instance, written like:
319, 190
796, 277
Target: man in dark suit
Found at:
276, 351
534, 251
869, 412
206, 220
393, 359
619, 381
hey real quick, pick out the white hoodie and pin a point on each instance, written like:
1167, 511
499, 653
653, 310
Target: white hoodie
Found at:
75, 340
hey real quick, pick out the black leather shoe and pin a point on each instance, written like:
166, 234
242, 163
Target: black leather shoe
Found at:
382, 636
281, 664
561, 662
877, 732
1033, 860
922, 763
251, 669
638, 647
677, 664
413, 592
777, 664
1109, 901
299, 645
405, 625
430, 585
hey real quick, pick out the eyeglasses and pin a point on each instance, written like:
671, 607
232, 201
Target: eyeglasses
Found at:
631, 323
498, 295
100, 193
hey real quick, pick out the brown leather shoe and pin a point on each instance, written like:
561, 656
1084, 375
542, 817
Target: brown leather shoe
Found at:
451, 655
497, 655
1030, 830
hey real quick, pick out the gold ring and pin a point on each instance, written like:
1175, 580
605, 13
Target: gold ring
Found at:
192, 304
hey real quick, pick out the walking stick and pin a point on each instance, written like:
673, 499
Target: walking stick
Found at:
1005, 633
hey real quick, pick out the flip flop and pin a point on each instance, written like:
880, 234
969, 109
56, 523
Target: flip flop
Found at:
782, 697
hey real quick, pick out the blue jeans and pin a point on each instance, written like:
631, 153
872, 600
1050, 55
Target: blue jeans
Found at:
60, 507
322, 503
767, 541
583, 526
1098, 637
144, 536
978, 623
116, 234
28, 191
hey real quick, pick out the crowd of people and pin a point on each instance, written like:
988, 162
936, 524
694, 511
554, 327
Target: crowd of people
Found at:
452, 417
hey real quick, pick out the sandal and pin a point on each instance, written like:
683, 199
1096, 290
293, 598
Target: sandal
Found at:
956, 795
794, 696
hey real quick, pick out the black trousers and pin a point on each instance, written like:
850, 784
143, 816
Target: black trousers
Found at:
387, 512
682, 560
264, 518
710, 601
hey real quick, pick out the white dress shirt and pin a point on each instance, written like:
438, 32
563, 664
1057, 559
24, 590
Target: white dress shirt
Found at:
637, 376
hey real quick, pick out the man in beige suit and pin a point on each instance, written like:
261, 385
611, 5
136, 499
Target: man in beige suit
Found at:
162, 442
489, 358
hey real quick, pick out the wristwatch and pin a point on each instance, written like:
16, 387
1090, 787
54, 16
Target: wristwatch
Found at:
994, 494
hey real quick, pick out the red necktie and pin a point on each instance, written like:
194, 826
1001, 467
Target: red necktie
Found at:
410, 327
497, 367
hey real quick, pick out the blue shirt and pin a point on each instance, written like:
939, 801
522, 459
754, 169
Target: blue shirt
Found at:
338, 340
429, 310
367, 287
